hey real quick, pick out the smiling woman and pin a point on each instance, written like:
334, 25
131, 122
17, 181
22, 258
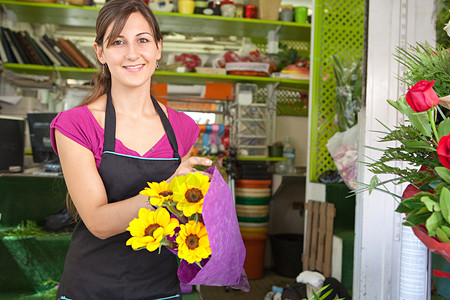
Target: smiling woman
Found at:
109, 147
131, 56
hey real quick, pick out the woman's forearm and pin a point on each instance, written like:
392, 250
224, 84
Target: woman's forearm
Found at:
113, 218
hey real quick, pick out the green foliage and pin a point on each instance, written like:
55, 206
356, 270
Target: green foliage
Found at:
50, 290
288, 56
216, 161
442, 17
27, 228
348, 93
431, 205
414, 149
316, 296
425, 62
414, 144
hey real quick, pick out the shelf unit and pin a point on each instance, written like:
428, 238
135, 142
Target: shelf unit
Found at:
253, 121
85, 16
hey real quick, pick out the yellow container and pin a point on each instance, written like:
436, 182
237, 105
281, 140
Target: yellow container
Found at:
186, 6
253, 231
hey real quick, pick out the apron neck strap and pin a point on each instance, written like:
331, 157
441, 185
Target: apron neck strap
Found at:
109, 143
168, 128
110, 126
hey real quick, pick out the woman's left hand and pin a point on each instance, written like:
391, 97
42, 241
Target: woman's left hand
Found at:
188, 163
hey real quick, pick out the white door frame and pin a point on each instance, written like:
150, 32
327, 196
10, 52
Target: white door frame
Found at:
391, 23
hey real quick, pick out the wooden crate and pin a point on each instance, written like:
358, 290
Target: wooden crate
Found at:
318, 237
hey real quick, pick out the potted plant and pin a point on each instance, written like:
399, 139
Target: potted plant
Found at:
276, 149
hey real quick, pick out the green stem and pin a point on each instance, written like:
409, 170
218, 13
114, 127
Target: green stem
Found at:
198, 264
167, 243
177, 213
433, 124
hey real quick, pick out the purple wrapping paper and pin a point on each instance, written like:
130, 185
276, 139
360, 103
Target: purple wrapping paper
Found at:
225, 266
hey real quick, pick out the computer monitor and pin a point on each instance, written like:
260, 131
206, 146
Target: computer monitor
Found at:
12, 144
41, 146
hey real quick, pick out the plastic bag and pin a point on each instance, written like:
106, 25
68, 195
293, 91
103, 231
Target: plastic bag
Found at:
343, 147
225, 266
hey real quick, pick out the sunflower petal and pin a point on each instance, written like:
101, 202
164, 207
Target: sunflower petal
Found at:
156, 201
158, 233
153, 246
143, 213
163, 217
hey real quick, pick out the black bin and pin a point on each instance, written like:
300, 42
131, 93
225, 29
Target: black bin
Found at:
253, 170
287, 252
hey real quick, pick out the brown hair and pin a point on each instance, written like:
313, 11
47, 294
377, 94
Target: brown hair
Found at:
117, 12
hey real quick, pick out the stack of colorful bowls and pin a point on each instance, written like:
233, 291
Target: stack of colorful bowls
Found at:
252, 209
252, 206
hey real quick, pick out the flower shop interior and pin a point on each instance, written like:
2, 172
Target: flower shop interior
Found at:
290, 97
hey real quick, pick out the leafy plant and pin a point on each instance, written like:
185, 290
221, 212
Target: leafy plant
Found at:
348, 93
425, 62
50, 290
442, 17
27, 228
289, 56
321, 297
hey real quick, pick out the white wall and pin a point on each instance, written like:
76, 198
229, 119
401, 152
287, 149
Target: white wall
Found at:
297, 129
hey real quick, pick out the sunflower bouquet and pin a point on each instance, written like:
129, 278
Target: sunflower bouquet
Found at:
195, 218
183, 197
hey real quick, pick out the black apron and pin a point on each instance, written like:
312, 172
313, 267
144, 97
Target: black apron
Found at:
108, 269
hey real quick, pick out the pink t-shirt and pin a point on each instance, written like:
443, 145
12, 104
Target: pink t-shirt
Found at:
80, 125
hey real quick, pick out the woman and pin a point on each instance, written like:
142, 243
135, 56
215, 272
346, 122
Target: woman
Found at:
109, 147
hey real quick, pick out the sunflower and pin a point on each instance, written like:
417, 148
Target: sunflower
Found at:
151, 228
189, 192
158, 192
193, 242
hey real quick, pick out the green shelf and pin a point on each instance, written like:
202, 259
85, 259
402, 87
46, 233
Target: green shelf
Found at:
85, 16
160, 76
222, 26
199, 78
64, 72
258, 158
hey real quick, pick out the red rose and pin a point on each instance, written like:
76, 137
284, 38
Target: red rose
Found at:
443, 151
421, 96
